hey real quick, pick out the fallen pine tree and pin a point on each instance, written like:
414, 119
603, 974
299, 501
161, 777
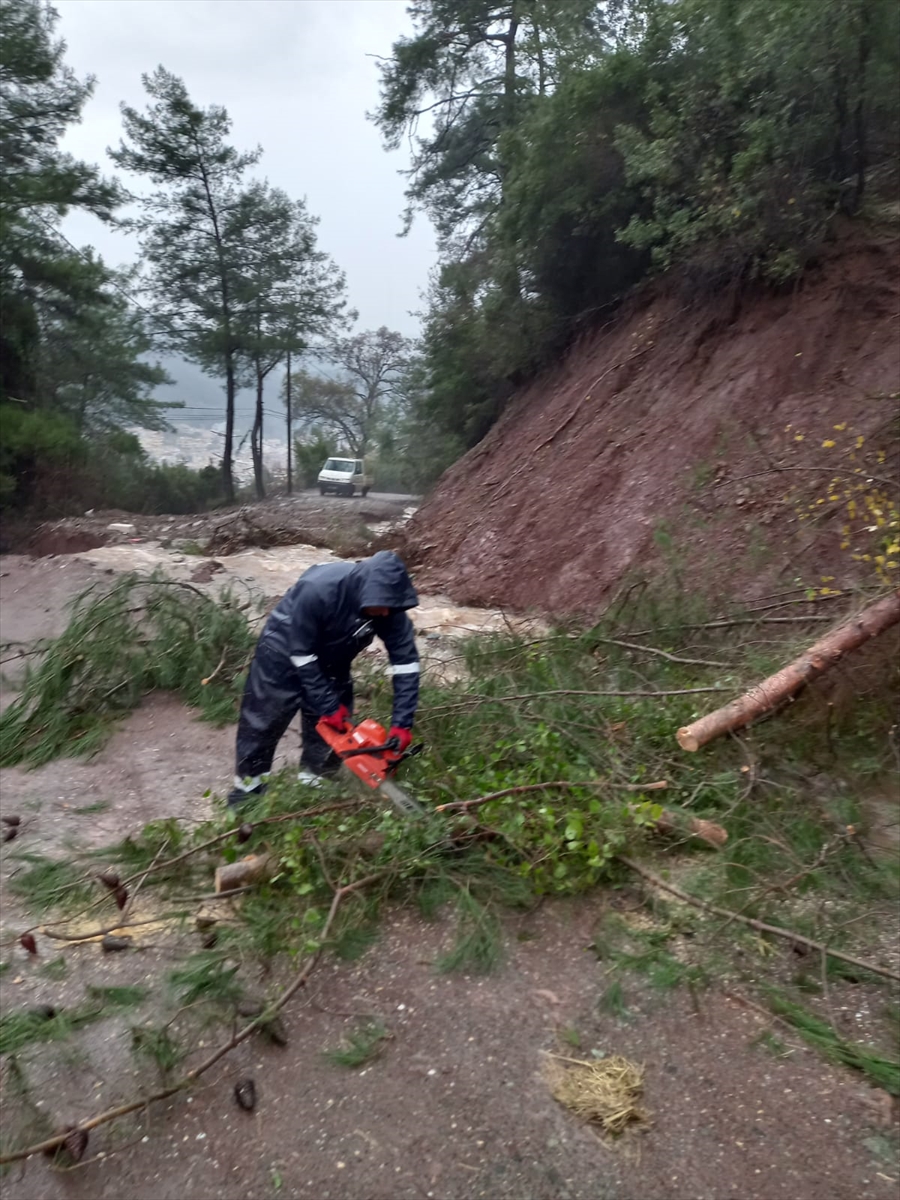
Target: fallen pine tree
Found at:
138, 636
873, 620
541, 794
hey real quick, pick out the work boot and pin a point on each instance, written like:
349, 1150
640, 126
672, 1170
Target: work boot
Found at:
307, 777
241, 793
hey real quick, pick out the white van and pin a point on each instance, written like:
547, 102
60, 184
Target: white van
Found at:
344, 476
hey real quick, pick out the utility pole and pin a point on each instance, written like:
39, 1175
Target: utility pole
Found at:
289, 446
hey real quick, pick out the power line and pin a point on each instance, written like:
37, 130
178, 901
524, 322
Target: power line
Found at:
112, 280
212, 409
191, 412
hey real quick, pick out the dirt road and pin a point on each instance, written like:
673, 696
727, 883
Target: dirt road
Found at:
456, 1107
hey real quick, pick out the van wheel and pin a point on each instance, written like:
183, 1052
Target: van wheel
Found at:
365, 492
322, 491
349, 490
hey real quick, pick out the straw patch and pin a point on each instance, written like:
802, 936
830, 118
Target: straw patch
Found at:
604, 1092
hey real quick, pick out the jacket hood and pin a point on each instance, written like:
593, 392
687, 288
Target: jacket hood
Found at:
385, 583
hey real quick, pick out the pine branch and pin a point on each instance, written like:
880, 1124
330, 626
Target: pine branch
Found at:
760, 926
264, 1018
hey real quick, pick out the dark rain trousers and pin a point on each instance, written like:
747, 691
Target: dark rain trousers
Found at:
271, 701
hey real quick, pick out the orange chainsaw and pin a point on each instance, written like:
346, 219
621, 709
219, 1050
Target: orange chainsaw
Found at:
367, 751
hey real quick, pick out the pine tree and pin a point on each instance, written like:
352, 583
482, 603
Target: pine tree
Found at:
190, 229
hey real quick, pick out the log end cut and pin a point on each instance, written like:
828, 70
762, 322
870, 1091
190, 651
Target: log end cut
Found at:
246, 871
686, 739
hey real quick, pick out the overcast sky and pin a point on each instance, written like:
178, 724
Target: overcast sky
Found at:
297, 79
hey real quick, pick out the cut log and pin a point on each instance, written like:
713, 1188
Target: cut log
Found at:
827, 651
252, 869
681, 824
674, 822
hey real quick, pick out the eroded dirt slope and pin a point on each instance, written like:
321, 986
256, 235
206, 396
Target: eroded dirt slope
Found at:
673, 417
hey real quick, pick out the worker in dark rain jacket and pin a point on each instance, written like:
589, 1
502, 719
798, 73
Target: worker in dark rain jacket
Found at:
302, 663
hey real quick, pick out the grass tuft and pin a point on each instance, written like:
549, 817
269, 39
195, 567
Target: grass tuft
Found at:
363, 1045
883, 1072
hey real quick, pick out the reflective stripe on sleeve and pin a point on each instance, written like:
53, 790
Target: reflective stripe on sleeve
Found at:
404, 669
303, 660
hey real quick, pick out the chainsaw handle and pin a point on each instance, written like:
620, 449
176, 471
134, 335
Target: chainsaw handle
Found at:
410, 753
391, 744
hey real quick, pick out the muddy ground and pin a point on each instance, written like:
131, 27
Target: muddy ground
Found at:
457, 1106
349, 526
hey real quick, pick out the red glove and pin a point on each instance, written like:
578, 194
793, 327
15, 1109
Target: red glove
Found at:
338, 720
403, 736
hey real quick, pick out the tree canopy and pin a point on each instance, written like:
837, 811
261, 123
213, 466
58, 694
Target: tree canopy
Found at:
73, 351
233, 270
565, 151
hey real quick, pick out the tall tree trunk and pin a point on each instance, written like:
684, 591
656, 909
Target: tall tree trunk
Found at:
82, 408
509, 280
542, 66
860, 154
509, 71
290, 448
228, 449
838, 154
256, 436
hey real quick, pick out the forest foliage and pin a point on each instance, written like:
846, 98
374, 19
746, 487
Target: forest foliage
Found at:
564, 150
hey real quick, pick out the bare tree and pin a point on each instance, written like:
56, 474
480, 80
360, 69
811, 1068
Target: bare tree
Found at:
365, 390
330, 406
371, 365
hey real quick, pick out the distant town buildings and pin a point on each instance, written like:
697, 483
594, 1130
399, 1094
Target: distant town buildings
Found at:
197, 447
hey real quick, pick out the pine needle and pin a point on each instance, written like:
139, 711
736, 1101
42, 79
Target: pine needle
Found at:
478, 945
363, 1045
140, 636
883, 1072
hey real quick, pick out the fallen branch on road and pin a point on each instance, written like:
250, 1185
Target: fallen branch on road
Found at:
675, 658
296, 815
564, 784
51, 1144
759, 926
474, 700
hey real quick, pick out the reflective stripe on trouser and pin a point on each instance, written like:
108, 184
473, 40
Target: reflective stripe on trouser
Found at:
250, 784
270, 702
404, 669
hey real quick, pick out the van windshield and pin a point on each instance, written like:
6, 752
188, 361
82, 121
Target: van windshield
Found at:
340, 464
